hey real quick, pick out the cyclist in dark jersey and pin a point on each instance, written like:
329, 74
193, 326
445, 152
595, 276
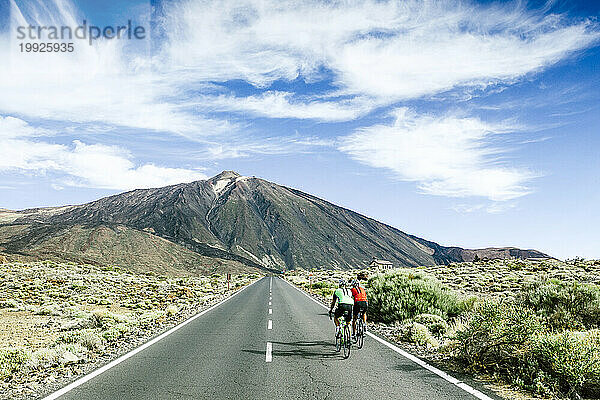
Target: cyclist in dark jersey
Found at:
345, 301
360, 303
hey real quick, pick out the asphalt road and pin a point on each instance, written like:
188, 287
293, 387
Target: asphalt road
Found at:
224, 354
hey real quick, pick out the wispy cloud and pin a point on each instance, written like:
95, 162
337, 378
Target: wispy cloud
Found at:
391, 50
278, 104
446, 155
491, 208
241, 147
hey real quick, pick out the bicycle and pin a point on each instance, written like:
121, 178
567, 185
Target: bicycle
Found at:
360, 329
343, 338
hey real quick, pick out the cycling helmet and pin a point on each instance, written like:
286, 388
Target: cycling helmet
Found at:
342, 283
354, 283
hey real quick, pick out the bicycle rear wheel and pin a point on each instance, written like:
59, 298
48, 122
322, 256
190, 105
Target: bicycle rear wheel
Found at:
360, 333
347, 341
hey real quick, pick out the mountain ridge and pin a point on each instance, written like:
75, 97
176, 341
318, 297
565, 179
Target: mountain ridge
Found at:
246, 220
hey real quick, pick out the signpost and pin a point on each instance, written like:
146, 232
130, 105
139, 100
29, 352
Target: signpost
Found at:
310, 282
228, 280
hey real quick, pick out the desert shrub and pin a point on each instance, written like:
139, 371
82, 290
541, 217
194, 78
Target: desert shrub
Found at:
76, 349
323, 285
12, 360
326, 292
43, 358
9, 303
150, 316
105, 319
48, 309
570, 361
436, 324
76, 312
495, 333
417, 333
90, 340
87, 338
404, 294
564, 305
171, 310
507, 338
115, 332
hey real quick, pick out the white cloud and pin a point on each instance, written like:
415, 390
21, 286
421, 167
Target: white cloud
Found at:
80, 164
447, 156
11, 127
277, 104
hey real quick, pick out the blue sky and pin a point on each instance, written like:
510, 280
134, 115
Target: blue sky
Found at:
466, 123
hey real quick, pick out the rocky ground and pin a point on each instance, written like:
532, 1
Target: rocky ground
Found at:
61, 320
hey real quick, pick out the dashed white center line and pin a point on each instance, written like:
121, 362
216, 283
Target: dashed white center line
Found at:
269, 303
270, 311
269, 355
270, 326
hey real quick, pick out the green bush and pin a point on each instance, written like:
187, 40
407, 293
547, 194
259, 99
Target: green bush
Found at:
88, 338
495, 334
43, 358
404, 294
171, 310
417, 333
115, 332
436, 324
570, 360
564, 305
9, 303
12, 360
323, 285
105, 319
507, 338
326, 292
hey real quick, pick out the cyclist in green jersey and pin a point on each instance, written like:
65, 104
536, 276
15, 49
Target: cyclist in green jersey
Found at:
345, 302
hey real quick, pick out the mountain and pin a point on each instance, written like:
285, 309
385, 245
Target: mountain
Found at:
231, 221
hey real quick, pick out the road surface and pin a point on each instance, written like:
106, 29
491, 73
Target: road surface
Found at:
270, 341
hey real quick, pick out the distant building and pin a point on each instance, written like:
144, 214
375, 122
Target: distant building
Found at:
381, 264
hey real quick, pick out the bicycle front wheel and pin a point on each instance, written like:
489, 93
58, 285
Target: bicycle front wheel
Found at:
347, 341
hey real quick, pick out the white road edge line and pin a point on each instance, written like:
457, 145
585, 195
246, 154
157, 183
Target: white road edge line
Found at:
269, 353
270, 325
133, 352
414, 359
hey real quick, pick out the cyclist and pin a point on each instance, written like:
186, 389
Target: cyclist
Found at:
360, 304
344, 298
